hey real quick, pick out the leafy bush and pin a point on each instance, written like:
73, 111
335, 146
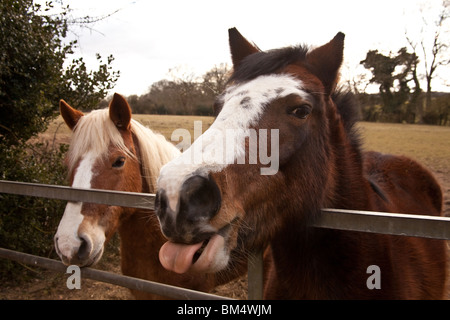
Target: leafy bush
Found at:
34, 75
27, 224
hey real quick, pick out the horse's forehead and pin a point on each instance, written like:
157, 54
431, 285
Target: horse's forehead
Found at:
268, 86
84, 171
246, 101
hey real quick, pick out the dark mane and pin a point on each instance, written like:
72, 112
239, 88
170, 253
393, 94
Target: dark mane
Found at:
349, 110
267, 62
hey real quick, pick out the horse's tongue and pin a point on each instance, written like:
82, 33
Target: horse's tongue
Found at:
178, 257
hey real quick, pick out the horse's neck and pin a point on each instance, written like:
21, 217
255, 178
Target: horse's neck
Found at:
310, 271
351, 189
141, 240
141, 229
312, 263
141, 237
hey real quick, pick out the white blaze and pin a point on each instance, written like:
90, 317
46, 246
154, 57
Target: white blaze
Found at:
68, 241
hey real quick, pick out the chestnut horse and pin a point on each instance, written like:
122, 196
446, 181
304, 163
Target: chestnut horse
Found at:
109, 150
288, 98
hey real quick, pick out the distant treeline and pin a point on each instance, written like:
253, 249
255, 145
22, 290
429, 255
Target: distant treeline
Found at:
183, 94
168, 97
437, 113
400, 98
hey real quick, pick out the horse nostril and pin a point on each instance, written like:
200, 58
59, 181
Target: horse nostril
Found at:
199, 199
160, 201
164, 214
85, 248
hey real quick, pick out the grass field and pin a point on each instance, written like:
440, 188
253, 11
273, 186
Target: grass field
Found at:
427, 144
159, 123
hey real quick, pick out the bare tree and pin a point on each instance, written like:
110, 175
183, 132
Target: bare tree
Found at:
434, 52
185, 87
214, 80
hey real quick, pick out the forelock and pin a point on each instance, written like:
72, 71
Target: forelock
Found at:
267, 62
94, 132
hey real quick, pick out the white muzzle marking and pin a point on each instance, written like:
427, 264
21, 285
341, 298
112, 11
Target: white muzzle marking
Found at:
67, 238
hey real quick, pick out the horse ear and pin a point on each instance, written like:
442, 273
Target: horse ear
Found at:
325, 61
239, 47
69, 114
120, 112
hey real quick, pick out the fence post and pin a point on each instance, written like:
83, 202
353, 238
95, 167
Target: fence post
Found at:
255, 275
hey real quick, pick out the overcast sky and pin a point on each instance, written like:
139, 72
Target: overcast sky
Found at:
148, 37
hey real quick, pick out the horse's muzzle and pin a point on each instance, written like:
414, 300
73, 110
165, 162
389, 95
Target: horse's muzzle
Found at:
80, 251
199, 201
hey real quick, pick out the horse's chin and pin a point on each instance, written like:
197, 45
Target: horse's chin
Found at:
93, 259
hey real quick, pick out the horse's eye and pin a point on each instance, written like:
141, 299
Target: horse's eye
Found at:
302, 111
119, 162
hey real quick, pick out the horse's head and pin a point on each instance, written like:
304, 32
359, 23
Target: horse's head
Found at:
102, 155
225, 190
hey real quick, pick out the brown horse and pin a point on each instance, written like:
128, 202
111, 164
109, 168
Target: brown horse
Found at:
286, 101
109, 150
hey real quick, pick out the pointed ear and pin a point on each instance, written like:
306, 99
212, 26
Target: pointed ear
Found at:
120, 112
325, 61
239, 47
69, 114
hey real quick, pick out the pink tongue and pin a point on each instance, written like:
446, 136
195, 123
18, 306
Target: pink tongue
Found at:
178, 257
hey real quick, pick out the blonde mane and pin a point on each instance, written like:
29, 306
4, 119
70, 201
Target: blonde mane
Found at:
95, 132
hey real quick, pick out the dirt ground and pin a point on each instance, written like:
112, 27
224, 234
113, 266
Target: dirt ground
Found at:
48, 285
52, 286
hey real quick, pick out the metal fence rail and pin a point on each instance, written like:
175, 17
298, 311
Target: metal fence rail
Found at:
114, 198
386, 223
363, 221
